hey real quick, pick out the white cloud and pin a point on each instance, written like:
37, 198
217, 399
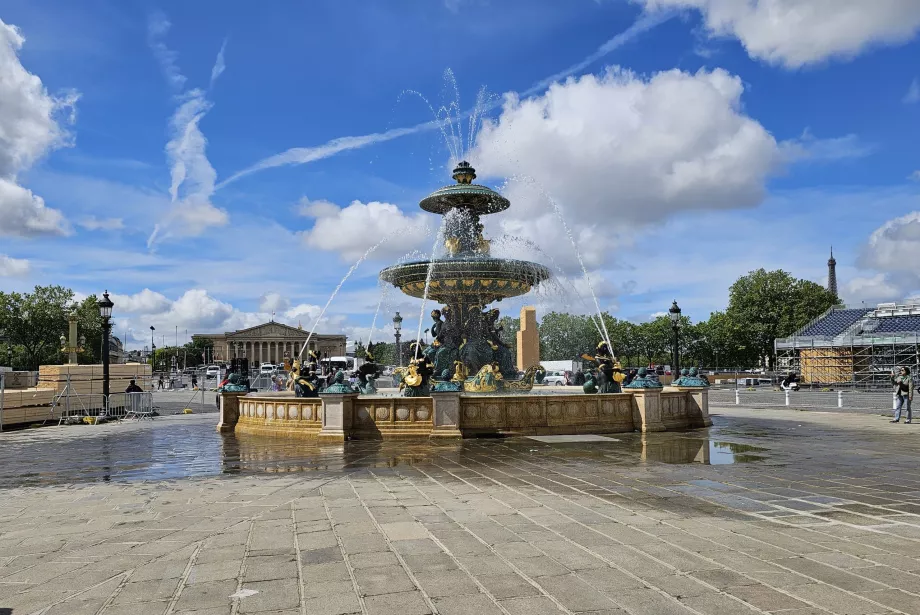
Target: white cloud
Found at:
274, 302
92, 223
895, 246
29, 129
192, 176
219, 64
13, 267
810, 148
157, 28
871, 289
915, 176
797, 33
913, 93
620, 149
351, 231
144, 302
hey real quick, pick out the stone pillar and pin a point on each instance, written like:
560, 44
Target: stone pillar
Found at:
229, 411
698, 404
446, 415
528, 340
648, 402
338, 410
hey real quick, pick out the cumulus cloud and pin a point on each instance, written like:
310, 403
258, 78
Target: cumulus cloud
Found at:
797, 33
618, 148
895, 246
351, 231
30, 128
274, 302
871, 289
144, 302
13, 267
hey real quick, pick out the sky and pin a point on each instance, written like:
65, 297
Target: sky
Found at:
214, 166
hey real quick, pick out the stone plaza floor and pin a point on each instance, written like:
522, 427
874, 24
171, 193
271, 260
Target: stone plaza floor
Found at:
769, 511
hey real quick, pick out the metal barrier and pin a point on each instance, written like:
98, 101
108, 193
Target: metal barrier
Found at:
130, 406
852, 399
77, 405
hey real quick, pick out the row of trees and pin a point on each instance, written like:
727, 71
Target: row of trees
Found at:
763, 305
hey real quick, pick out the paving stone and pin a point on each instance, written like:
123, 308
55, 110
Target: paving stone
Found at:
835, 600
206, 595
216, 571
137, 608
478, 604
575, 594
766, 598
333, 604
407, 603
450, 583
712, 603
382, 580
272, 596
531, 606
503, 586
269, 568
650, 602
321, 556
147, 591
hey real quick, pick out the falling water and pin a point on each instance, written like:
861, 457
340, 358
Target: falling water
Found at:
505, 239
421, 318
336, 291
558, 210
384, 290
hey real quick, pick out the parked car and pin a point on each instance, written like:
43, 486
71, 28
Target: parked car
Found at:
555, 378
212, 372
266, 368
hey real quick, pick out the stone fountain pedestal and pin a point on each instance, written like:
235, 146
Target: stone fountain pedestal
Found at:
337, 416
446, 413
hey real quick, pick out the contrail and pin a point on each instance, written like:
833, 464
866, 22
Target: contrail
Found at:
304, 155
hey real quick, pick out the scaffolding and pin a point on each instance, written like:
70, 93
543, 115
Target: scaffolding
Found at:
863, 361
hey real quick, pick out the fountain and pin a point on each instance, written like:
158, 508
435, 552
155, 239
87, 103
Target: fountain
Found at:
466, 280
465, 382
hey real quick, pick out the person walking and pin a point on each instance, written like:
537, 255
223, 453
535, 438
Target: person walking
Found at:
160, 383
904, 390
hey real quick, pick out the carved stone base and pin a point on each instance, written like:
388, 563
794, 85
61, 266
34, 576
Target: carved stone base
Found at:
446, 413
648, 403
229, 412
338, 409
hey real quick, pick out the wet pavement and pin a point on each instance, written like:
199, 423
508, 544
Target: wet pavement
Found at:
767, 511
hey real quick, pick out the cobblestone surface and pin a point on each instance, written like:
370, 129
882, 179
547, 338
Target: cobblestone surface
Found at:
802, 513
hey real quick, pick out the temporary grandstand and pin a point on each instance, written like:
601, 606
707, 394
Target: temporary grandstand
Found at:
854, 346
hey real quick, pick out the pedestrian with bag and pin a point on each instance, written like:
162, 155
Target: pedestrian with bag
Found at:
904, 392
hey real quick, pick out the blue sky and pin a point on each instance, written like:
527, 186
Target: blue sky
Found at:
685, 141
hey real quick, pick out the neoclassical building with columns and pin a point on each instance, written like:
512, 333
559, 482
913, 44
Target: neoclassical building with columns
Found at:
271, 342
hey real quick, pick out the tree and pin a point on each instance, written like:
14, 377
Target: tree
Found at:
34, 323
360, 350
766, 305
565, 336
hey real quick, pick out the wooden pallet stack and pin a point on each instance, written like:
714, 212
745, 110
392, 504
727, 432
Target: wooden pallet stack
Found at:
87, 379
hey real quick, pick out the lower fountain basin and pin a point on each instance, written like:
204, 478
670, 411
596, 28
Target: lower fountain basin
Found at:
488, 279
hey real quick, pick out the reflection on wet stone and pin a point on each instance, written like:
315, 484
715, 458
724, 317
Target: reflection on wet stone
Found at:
654, 523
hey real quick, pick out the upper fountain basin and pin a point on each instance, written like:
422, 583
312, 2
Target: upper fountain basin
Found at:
474, 198
488, 279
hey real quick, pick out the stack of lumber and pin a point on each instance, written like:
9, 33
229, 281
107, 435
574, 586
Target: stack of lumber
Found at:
87, 379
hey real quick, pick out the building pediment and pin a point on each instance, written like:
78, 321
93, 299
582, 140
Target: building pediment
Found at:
269, 329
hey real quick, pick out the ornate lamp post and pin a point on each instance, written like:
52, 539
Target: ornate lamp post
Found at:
674, 314
105, 310
397, 326
153, 352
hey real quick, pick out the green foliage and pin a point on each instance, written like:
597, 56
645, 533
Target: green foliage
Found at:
765, 305
34, 322
509, 329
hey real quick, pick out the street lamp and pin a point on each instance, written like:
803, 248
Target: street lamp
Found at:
397, 326
674, 315
105, 311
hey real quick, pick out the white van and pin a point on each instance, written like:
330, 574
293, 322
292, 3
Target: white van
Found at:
212, 371
266, 368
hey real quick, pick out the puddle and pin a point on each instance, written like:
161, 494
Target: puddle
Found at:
190, 448
701, 450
